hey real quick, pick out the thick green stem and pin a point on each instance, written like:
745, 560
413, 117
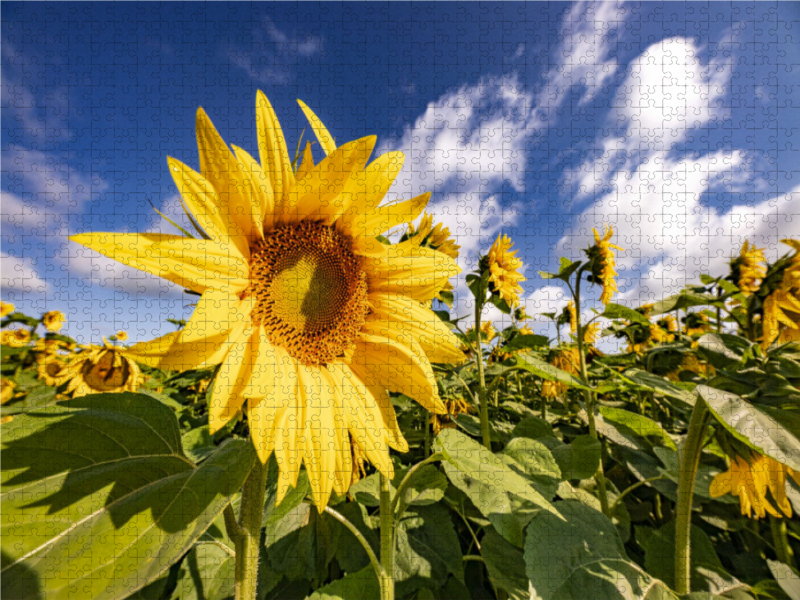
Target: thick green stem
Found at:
599, 476
485, 433
690, 452
249, 537
780, 540
387, 541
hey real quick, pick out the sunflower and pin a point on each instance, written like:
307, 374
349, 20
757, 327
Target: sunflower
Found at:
566, 359
750, 479
572, 315
16, 338
6, 390
121, 336
781, 318
603, 264
311, 316
750, 268
437, 238
525, 330
53, 321
96, 370
6, 308
504, 266
455, 407
590, 333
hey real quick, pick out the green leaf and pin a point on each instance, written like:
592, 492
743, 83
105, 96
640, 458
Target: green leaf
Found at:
525, 341
505, 565
582, 556
683, 300
769, 431
207, 573
533, 427
350, 554
708, 574
427, 549
628, 423
198, 443
540, 368
362, 585
503, 496
367, 491
500, 304
786, 577
724, 351
654, 383
618, 311
579, 459
105, 472
426, 486
533, 460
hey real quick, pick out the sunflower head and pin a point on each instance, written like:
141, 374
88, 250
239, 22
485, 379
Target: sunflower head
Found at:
602, 263
100, 370
53, 321
591, 332
15, 338
6, 308
455, 407
504, 267
571, 315
6, 390
749, 268
121, 336
311, 316
566, 358
437, 236
750, 478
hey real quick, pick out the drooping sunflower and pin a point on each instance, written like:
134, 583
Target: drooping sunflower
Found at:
312, 318
504, 267
567, 359
572, 316
6, 308
750, 479
15, 338
455, 407
6, 390
749, 268
603, 263
437, 237
95, 370
781, 318
53, 321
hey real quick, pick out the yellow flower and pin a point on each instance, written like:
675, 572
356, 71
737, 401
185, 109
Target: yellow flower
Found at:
567, 359
526, 330
521, 315
668, 323
750, 480
446, 421
778, 307
312, 318
6, 308
603, 263
6, 390
436, 237
53, 321
16, 338
121, 336
751, 268
590, 333
96, 370
573, 317
504, 269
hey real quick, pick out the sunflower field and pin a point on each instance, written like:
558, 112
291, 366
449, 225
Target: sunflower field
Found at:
324, 426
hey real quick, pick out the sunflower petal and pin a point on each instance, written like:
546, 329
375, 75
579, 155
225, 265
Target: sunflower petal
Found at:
390, 216
191, 263
201, 199
227, 398
419, 273
272, 149
261, 185
217, 311
324, 137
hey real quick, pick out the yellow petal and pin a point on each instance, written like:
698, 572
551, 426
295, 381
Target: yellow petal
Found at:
288, 452
227, 398
234, 189
414, 321
378, 178
217, 311
200, 353
319, 195
201, 199
385, 218
408, 270
272, 149
151, 352
191, 263
380, 361
261, 185
324, 137
306, 164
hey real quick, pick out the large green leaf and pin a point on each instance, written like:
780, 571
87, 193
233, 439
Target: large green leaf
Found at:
505, 565
99, 499
627, 423
786, 577
503, 496
657, 384
426, 486
583, 557
532, 459
427, 549
207, 573
618, 311
708, 574
769, 431
579, 459
723, 350
362, 585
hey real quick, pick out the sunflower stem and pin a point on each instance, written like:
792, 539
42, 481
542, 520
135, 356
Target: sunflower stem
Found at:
780, 540
485, 434
387, 541
689, 462
250, 512
599, 475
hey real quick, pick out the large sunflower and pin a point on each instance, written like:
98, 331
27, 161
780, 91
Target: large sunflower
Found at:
311, 316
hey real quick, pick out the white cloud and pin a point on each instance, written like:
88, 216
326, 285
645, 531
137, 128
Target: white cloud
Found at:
20, 275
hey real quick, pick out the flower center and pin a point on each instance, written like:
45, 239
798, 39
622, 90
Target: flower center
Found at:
310, 291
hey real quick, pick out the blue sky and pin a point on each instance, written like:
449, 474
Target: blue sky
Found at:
671, 121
